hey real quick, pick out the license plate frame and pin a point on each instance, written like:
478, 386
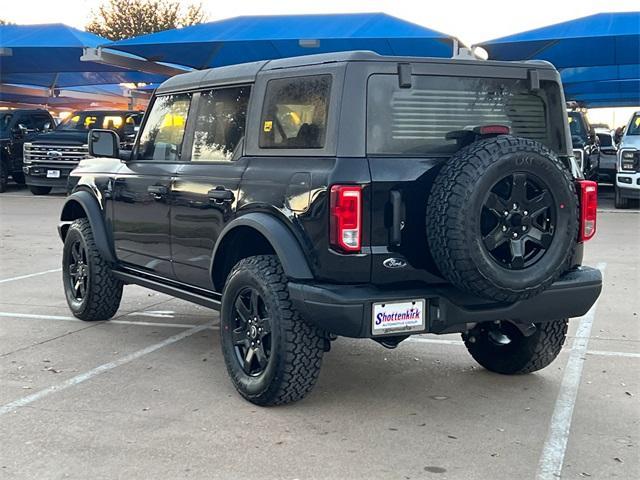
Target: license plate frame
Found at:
53, 173
404, 320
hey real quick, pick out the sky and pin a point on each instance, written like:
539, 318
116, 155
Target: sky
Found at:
471, 21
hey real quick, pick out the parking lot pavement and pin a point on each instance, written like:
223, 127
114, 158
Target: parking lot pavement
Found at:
147, 396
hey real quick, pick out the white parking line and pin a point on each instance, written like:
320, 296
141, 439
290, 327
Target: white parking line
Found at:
4, 280
555, 446
74, 319
613, 354
83, 377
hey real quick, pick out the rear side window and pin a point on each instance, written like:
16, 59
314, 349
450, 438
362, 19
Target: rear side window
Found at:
422, 119
163, 133
295, 112
220, 123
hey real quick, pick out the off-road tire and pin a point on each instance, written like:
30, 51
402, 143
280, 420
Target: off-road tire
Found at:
619, 201
296, 346
523, 354
455, 205
40, 190
104, 291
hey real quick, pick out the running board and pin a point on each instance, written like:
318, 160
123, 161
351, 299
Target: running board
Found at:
172, 290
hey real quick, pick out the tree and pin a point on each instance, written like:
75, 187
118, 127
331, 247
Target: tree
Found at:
5, 22
118, 19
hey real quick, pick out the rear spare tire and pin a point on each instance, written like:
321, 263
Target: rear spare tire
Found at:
502, 218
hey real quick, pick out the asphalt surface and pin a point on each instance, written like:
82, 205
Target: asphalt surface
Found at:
147, 395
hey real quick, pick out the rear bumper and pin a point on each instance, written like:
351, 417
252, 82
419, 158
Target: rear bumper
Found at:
346, 309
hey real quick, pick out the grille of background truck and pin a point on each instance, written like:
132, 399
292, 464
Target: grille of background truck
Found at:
69, 154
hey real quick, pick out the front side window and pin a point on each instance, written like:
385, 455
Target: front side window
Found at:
431, 115
163, 134
295, 112
220, 124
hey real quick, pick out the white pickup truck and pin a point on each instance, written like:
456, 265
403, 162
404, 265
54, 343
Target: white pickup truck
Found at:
627, 186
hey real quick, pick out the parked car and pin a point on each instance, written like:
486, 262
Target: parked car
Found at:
627, 185
585, 143
608, 156
344, 194
16, 127
50, 157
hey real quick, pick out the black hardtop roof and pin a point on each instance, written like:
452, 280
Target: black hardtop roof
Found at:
247, 72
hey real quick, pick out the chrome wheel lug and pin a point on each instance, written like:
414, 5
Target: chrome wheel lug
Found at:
524, 229
515, 235
525, 213
504, 228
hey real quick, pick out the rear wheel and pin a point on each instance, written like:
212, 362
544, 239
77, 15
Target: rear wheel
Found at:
92, 292
502, 218
619, 201
503, 348
272, 356
39, 190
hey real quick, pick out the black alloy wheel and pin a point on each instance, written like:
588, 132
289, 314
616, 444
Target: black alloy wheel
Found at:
272, 355
251, 332
92, 291
518, 220
78, 271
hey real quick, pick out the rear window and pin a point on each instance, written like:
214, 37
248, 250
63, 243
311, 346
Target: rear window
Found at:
421, 119
295, 112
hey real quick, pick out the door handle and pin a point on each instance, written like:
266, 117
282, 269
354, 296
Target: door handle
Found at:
158, 191
221, 195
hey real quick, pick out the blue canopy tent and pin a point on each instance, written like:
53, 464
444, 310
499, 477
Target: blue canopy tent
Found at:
49, 56
604, 39
246, 39
612, 93
598, 56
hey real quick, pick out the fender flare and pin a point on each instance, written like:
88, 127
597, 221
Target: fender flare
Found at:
284, 243
94, 214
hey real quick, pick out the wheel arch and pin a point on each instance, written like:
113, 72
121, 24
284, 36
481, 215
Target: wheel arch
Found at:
260, 234
82, 204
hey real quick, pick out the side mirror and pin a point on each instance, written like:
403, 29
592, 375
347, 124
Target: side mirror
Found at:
46, 127
103, 143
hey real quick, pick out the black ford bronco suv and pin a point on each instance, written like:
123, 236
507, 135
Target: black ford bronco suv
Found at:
344, 194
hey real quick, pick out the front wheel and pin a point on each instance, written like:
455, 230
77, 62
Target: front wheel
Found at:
39, 190
272, 356
92, 292
503, 348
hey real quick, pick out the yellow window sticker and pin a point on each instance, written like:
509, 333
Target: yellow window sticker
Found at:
268, 125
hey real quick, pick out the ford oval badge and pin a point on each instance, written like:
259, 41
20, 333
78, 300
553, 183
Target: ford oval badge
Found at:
394, 263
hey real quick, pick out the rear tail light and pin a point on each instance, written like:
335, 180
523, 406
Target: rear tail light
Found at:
588, 209
346, 217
